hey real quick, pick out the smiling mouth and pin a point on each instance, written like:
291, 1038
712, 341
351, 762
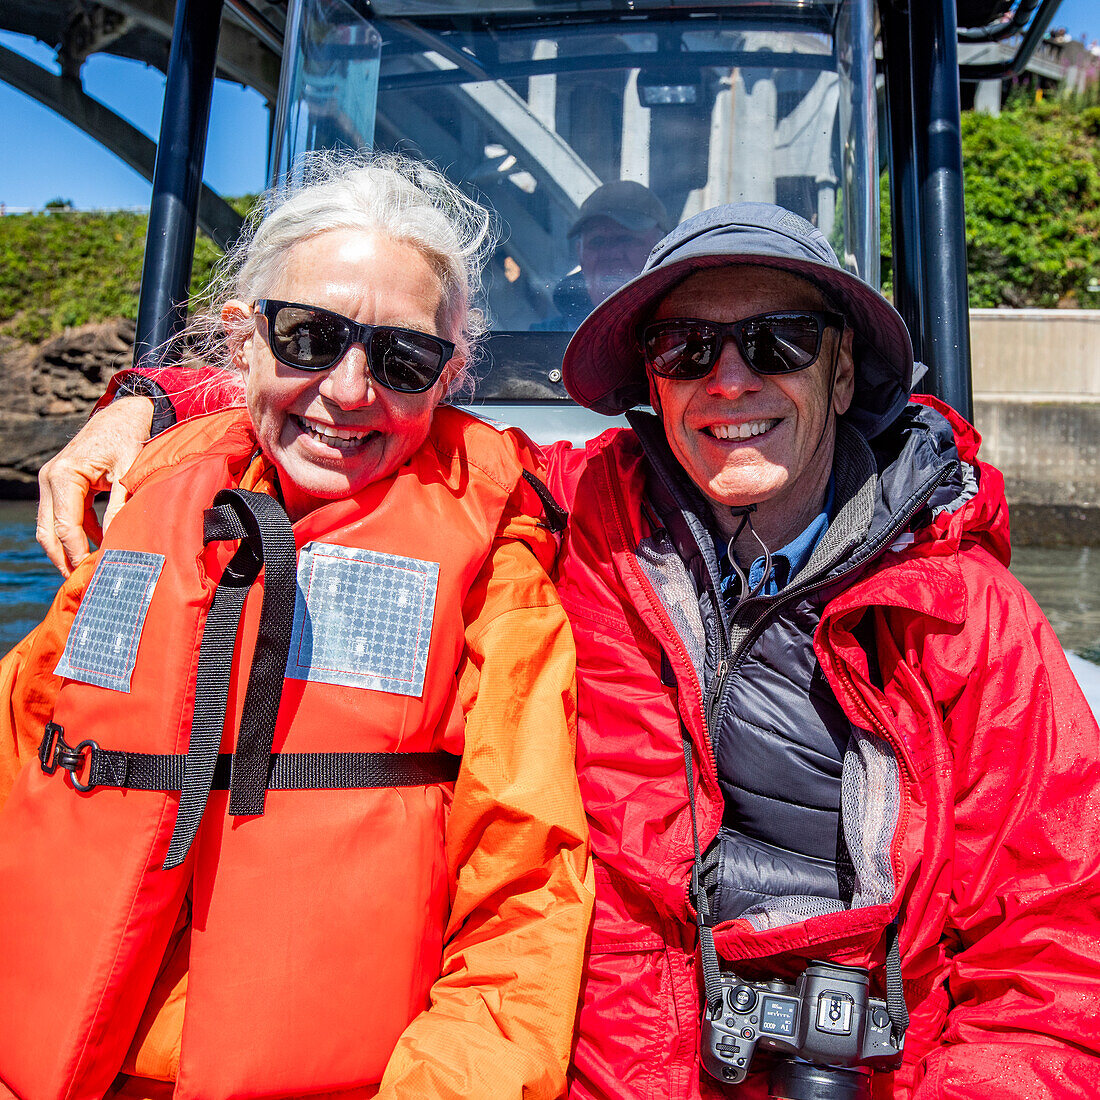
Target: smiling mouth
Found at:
341, 438
737, 432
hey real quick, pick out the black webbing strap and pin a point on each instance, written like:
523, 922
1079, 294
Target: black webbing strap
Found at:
556, 516
708, 954
267, 542
262, 526
895, 992
142, 771
266, 521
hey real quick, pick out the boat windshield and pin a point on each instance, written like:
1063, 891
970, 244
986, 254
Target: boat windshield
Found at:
542, 108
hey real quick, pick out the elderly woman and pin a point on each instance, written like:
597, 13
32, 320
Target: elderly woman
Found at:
315, 829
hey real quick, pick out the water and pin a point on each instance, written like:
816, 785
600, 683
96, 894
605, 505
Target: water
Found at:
1065, 582
28, 581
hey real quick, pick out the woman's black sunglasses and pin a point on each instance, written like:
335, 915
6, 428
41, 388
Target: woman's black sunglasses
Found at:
315, 339
770, 343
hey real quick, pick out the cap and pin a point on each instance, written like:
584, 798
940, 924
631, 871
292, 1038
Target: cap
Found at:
603, 368
629, 204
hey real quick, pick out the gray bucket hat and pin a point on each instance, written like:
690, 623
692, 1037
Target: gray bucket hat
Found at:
603, 368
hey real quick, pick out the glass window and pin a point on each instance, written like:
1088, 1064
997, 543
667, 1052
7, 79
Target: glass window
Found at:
542, 111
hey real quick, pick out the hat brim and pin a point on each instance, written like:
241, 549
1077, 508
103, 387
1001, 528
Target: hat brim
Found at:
603, 368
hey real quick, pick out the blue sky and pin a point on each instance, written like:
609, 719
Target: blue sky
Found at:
56, 160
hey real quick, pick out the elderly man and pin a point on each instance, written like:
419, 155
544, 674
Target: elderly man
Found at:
820, 725
819, 719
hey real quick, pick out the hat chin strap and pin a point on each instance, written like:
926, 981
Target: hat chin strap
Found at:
744, 512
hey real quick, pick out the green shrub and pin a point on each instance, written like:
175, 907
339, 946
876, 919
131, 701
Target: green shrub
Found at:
66, 269
1032, 206
1032, 190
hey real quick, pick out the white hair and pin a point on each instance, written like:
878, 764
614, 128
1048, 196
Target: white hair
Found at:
406, 200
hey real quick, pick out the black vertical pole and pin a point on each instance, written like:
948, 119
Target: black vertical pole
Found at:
177, 177
904, 185
945, 312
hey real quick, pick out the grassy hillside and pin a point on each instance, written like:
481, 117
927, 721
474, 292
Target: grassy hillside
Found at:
63, 268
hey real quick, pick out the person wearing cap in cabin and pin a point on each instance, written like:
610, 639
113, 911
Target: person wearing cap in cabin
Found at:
818, 719
613, 231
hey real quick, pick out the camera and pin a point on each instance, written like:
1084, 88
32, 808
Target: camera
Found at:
826, 1023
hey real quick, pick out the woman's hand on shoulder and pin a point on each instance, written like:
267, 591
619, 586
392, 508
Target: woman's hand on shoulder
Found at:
94, 460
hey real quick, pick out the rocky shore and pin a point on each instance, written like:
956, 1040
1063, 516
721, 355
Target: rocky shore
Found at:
48, 391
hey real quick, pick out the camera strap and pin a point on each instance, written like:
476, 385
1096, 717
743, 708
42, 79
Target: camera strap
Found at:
712, 974
708, 953
895, 992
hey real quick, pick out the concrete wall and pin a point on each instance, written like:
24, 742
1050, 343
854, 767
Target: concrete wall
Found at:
1037, 405
1036, 354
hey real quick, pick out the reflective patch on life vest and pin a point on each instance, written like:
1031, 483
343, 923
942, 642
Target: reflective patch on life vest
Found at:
362, 619
102, 645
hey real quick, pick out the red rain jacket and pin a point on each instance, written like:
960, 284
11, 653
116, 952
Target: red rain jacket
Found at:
994, 852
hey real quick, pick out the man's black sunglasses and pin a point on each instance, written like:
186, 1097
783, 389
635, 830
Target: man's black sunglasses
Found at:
770, 343
315, 339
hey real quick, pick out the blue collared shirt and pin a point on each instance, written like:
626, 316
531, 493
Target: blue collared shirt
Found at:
786, 563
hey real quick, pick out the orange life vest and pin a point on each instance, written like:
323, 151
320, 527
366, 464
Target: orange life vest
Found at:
316, 927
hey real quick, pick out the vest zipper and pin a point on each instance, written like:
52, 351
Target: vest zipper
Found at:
729, 661
715, 691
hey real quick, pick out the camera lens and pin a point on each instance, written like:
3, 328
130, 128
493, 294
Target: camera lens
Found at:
794, 1080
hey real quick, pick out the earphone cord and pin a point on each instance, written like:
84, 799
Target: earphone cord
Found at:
745, 511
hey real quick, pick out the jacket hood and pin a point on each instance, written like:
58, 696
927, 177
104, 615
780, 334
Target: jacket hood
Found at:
967, 506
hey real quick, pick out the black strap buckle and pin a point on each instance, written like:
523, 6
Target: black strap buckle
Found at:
47, 749
699, 902
53, 752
